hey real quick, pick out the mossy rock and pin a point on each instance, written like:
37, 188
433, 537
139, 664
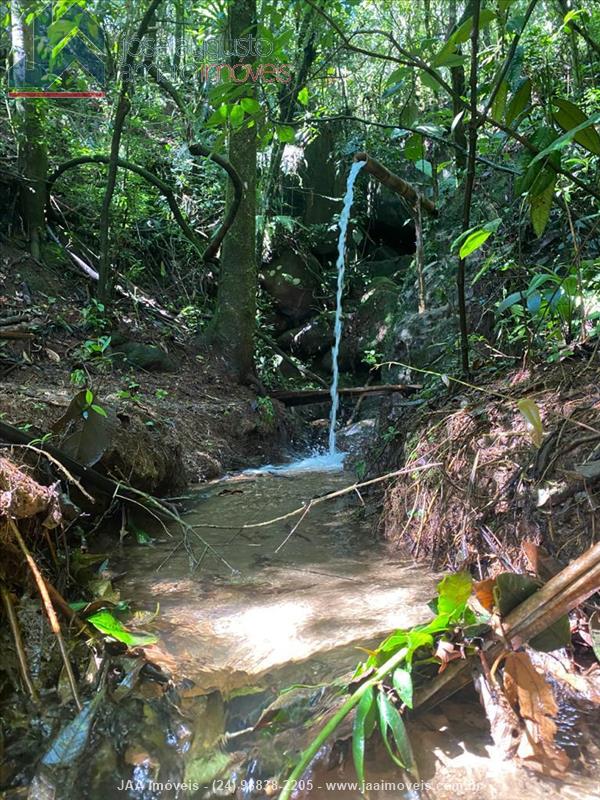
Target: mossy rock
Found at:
143, 356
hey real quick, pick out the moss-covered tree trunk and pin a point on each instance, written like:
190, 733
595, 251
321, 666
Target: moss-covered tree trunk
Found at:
232, 328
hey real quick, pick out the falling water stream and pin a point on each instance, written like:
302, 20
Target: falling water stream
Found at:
341, 269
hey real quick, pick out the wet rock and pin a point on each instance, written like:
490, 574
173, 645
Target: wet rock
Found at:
369, 327
357, 437
391, 225
292, 280
418, 339
309, 339
206, 467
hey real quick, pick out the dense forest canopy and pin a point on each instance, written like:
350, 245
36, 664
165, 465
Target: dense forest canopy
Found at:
183, 171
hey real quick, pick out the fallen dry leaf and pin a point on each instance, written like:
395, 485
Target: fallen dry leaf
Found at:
446, 652
533, 699
484, 592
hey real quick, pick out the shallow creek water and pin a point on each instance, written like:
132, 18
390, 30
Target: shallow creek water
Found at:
294, 609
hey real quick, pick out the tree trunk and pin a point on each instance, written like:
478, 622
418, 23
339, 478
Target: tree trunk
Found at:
105, 282
469, 186
457, 75
32, 152
287, 105
232, 328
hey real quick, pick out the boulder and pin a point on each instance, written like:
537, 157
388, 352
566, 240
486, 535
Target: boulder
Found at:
292, 279
143, 356
310, 339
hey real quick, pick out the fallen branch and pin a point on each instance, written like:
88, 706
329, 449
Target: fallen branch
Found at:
18, 640
395, 183
307, 396
50, 612
315, 501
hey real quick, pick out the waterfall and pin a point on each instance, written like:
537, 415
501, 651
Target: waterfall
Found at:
341, 269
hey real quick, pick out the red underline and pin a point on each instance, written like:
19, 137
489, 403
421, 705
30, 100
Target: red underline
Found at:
57, 95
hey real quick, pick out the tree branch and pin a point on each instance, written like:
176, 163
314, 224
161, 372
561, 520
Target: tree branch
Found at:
148, 176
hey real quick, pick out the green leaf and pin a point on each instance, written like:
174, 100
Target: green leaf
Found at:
511, 589
285, 133
236, 115
510, 300
519, 101
99, 410
106, 623
541, 205
429, 80
463, 33
499, 103
553, 638
359, 731
594, 624
473, 242
303, 96
89, 397
569, 116
390, 721
566, 138
453, 593
403, 684
250, 105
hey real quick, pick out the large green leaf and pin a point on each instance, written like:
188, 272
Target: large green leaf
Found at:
360, 732
499, 103
463, 32
519, 101
474, 241
403, 684
566, 138
569, 116
541, 205
390, 721
453, 592
108, 624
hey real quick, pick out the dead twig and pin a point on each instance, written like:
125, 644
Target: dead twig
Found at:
16, 634
49, 608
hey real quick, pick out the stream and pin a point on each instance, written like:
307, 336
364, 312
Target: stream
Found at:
292, 609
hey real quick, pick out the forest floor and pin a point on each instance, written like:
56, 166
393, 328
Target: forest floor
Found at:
178, 418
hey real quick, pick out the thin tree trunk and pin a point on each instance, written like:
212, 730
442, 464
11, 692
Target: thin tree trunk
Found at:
232, 328
287, 106
124, 104
469, 185
457, 77
32, 152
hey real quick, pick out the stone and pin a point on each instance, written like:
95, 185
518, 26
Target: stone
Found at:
292, 279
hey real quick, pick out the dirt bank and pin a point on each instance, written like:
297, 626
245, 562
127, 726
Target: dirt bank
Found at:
175, 416
504, 478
